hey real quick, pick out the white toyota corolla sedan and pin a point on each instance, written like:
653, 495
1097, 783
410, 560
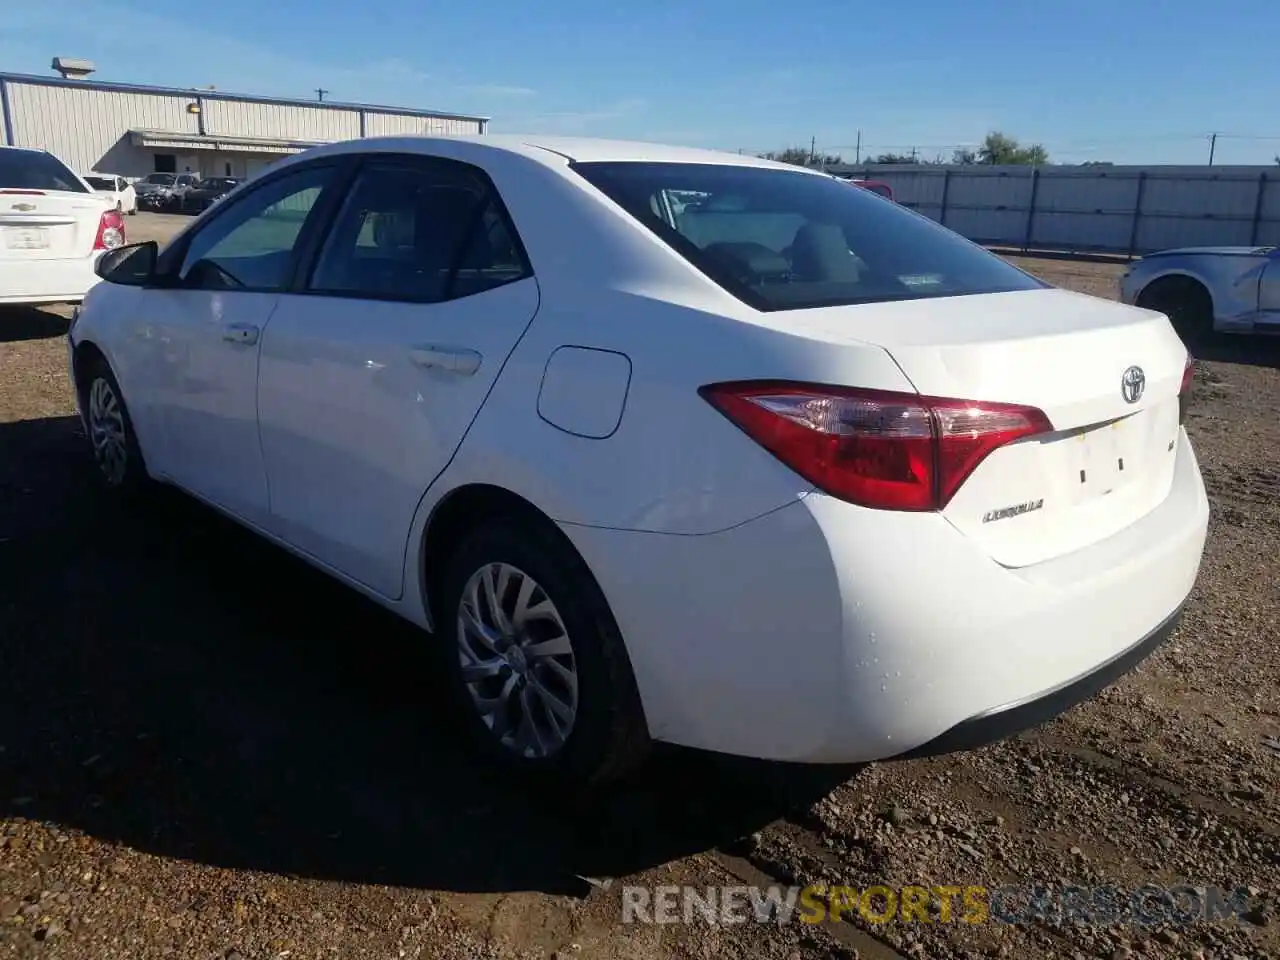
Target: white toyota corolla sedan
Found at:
664, 444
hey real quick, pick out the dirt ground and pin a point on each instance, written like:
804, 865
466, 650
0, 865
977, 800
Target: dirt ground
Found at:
208, 750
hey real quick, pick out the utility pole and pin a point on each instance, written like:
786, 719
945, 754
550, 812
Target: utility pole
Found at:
857, 150
320, 92
914, 155
813, 151
1213, 145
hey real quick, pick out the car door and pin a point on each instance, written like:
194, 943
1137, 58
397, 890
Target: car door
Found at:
371, 374
203, 328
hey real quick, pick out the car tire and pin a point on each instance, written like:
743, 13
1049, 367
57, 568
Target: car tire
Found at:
1186, 303
566, 712
121, 470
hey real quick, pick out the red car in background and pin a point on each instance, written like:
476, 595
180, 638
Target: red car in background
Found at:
876, 186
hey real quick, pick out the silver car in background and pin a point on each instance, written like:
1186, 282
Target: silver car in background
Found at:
1207, 290
163, 191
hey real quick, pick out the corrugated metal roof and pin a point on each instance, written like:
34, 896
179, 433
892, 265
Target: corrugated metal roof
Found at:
241, 97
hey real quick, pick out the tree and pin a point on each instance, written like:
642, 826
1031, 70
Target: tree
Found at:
1000, 149
964, 157
893, 158
802, 157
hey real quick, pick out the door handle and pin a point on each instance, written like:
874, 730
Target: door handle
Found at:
245, 333
452, 359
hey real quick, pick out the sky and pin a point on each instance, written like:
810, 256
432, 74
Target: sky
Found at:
1142, 81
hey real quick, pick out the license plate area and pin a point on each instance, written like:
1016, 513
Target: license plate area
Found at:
26, 238
1107, 457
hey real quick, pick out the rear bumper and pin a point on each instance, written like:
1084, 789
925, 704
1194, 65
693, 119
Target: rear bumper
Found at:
1013, 718
825, 632
47, 281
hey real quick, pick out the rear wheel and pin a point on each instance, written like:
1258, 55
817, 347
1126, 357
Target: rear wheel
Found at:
535, 659
1186, 303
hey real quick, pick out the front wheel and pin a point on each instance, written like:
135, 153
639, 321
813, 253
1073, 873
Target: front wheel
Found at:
536, 662
121, 470
1186, 303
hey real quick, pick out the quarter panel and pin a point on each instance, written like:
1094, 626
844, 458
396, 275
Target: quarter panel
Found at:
674, 464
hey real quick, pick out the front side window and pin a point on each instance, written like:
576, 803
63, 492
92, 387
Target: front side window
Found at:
423, 232
34, 170
788, 240
250, 245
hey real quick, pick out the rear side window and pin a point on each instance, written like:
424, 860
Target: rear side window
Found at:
787, 240
34, 170
425, 232
101, 183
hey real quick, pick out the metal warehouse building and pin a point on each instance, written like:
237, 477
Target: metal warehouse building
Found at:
134, 130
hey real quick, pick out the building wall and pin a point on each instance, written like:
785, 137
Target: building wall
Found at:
1119, 209
246, 119
89, 129
88, 126
392, 124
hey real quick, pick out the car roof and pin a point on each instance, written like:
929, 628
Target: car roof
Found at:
579, 149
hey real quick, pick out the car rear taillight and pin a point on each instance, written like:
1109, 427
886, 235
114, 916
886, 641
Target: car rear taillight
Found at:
110, 231
1184, 391
875, 448
23, 193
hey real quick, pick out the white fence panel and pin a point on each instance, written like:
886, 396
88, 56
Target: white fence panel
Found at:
1126, 210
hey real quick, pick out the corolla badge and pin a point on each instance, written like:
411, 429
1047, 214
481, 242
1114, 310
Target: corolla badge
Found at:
1132, 384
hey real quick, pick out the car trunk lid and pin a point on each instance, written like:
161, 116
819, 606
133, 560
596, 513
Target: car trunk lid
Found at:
48, 224
1107, 377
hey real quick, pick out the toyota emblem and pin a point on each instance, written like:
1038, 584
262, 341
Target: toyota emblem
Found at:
1132, 384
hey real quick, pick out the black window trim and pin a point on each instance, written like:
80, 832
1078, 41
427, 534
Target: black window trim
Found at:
317, 219
412, 161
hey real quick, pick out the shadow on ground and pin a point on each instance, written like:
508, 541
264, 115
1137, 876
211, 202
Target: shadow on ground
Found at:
30, 323
169, 681
1254, 351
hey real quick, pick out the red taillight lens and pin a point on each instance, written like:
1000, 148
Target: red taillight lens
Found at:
890, 451
110, 231
1184, 391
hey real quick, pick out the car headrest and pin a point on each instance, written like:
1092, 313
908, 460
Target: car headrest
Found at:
821, 252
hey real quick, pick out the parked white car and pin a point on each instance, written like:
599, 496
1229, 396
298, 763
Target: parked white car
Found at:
53, 228
795, 473
118, 191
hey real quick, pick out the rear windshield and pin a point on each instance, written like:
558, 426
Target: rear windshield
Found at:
161, 179
33, 170
784, 240
100, 183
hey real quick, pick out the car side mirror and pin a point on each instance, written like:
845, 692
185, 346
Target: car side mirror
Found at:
133, 265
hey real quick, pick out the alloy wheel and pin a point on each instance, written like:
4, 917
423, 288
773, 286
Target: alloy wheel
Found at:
517, 661
107, 432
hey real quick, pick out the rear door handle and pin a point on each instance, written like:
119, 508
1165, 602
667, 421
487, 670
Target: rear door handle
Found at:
245, 333
458, 360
